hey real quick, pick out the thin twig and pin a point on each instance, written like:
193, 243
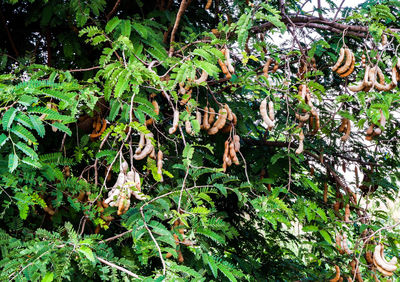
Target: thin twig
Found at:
130, 273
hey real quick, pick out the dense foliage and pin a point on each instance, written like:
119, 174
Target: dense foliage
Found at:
83, 81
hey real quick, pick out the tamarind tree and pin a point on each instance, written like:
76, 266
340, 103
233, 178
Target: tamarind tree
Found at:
199, 140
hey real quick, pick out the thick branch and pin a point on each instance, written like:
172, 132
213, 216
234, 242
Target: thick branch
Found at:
317, 23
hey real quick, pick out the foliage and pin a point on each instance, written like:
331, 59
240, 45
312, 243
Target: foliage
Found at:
66, 68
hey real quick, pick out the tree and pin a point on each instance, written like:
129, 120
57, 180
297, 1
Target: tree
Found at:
179, 140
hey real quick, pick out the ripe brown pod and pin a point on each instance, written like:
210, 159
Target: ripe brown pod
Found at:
351, 68
188, 127
271, 110
208, 5
266, 67
211, 116
340, 60
347, 64
224, 69
188, 96
380, 261
236, 141
337, 275
345, 137
228, 62
363, 60
141, 143
205, 125
219, 124
300, 149
263, 110
198, 117
325, 192
347, 213
148, 148
174, 122
160, 164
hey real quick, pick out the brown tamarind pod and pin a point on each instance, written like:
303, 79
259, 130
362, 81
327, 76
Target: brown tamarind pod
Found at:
325, 192
229, 112
266, 67
275, 68
160, 164
363, 57
345, 137
102, 129
300, 149
205, 125
219, 124
228, 62
337, 275
174, 122
232, 154
347, 213
347, 63
188, 127
340, 60
384, 39
316, 125
81, 196
343, 125
211, 116
198, 117
369, 258
236, 141
234, 121
264, 114
185, 100
370, 129
49, 209
180, 256
351, 68
311, 171
168, 255
97, 229
208, 5
336, 206
224, 69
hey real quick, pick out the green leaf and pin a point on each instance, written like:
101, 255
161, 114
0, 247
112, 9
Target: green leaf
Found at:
32, 162
142, 30
115, 107
3, 139
38, 125
48, 277
326, 236
8, 118
12, 162
87, 252
62, 127
112, 24
225, 270
24, 133
27, 150
126, 28
221, 188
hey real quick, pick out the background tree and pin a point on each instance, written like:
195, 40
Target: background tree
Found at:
112, 167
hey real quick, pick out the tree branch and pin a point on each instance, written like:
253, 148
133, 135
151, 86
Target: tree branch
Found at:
317, 23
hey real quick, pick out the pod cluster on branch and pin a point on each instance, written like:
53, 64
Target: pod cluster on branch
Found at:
268, 116
386, 268
348, 64
99, 126
232, 146
120, 194
342, 244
